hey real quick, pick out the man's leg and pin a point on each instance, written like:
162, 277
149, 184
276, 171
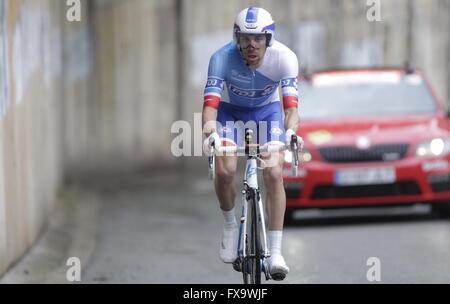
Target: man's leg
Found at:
276, 207
276, 196
226, 193
224, 183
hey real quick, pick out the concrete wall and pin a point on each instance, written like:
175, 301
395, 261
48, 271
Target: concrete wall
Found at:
78, 98
45, 69
30, 101
126, 123
76, 120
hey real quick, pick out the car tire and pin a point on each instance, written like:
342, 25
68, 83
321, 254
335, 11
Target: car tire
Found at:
289, 218
441, 210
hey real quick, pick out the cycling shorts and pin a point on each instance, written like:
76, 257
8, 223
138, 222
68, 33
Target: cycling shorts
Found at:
265, 121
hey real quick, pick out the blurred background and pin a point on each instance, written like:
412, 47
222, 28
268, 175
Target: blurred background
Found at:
90, 99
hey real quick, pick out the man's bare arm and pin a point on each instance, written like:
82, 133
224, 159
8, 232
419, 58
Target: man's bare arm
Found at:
209, 116
292, 119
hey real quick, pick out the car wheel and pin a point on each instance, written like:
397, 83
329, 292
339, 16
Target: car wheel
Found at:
442, 210
289, 217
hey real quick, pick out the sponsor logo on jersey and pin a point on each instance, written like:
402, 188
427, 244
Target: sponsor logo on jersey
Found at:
250, 93
237, 74
240, 77
214, 83
289, 82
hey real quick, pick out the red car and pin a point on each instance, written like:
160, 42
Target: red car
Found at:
372, 137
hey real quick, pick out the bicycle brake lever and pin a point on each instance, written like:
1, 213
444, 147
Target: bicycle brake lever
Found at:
211, 161
294, 150
212, 169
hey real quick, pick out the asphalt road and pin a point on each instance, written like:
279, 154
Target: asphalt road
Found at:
163, 228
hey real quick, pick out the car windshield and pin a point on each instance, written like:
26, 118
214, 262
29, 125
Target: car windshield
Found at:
407, 96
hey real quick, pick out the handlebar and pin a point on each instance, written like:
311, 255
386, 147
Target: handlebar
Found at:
254, 150
243, 150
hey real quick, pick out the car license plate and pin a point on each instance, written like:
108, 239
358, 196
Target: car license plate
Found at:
365, 176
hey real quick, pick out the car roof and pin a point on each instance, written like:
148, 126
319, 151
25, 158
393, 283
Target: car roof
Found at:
400, 71
306, 75
406, 70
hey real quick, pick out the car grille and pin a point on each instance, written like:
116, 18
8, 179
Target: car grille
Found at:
293, 190
439, 183
378, 153
396, 189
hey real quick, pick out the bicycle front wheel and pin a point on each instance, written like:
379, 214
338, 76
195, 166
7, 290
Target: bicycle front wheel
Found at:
256, 249
252, 263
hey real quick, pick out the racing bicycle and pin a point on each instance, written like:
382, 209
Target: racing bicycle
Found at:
253, 252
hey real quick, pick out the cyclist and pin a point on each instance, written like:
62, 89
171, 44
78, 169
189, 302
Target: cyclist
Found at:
243, 81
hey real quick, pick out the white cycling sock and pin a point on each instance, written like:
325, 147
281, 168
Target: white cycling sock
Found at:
229, 219
275, 238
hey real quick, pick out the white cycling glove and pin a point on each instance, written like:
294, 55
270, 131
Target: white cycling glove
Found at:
214, 137
300, 142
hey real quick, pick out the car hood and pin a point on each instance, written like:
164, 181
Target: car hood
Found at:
374, 129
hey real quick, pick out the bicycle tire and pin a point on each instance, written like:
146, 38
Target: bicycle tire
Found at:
256, 245
246, 273
246, 262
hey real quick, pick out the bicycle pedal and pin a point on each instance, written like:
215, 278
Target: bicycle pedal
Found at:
265, 270
237, 265
278, 276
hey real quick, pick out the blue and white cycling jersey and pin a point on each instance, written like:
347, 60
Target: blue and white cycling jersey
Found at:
243, 95
230, 80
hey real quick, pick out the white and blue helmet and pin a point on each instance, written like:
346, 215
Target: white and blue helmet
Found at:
254, 20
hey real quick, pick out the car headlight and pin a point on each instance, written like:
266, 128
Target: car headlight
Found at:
434, 147
303, 157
